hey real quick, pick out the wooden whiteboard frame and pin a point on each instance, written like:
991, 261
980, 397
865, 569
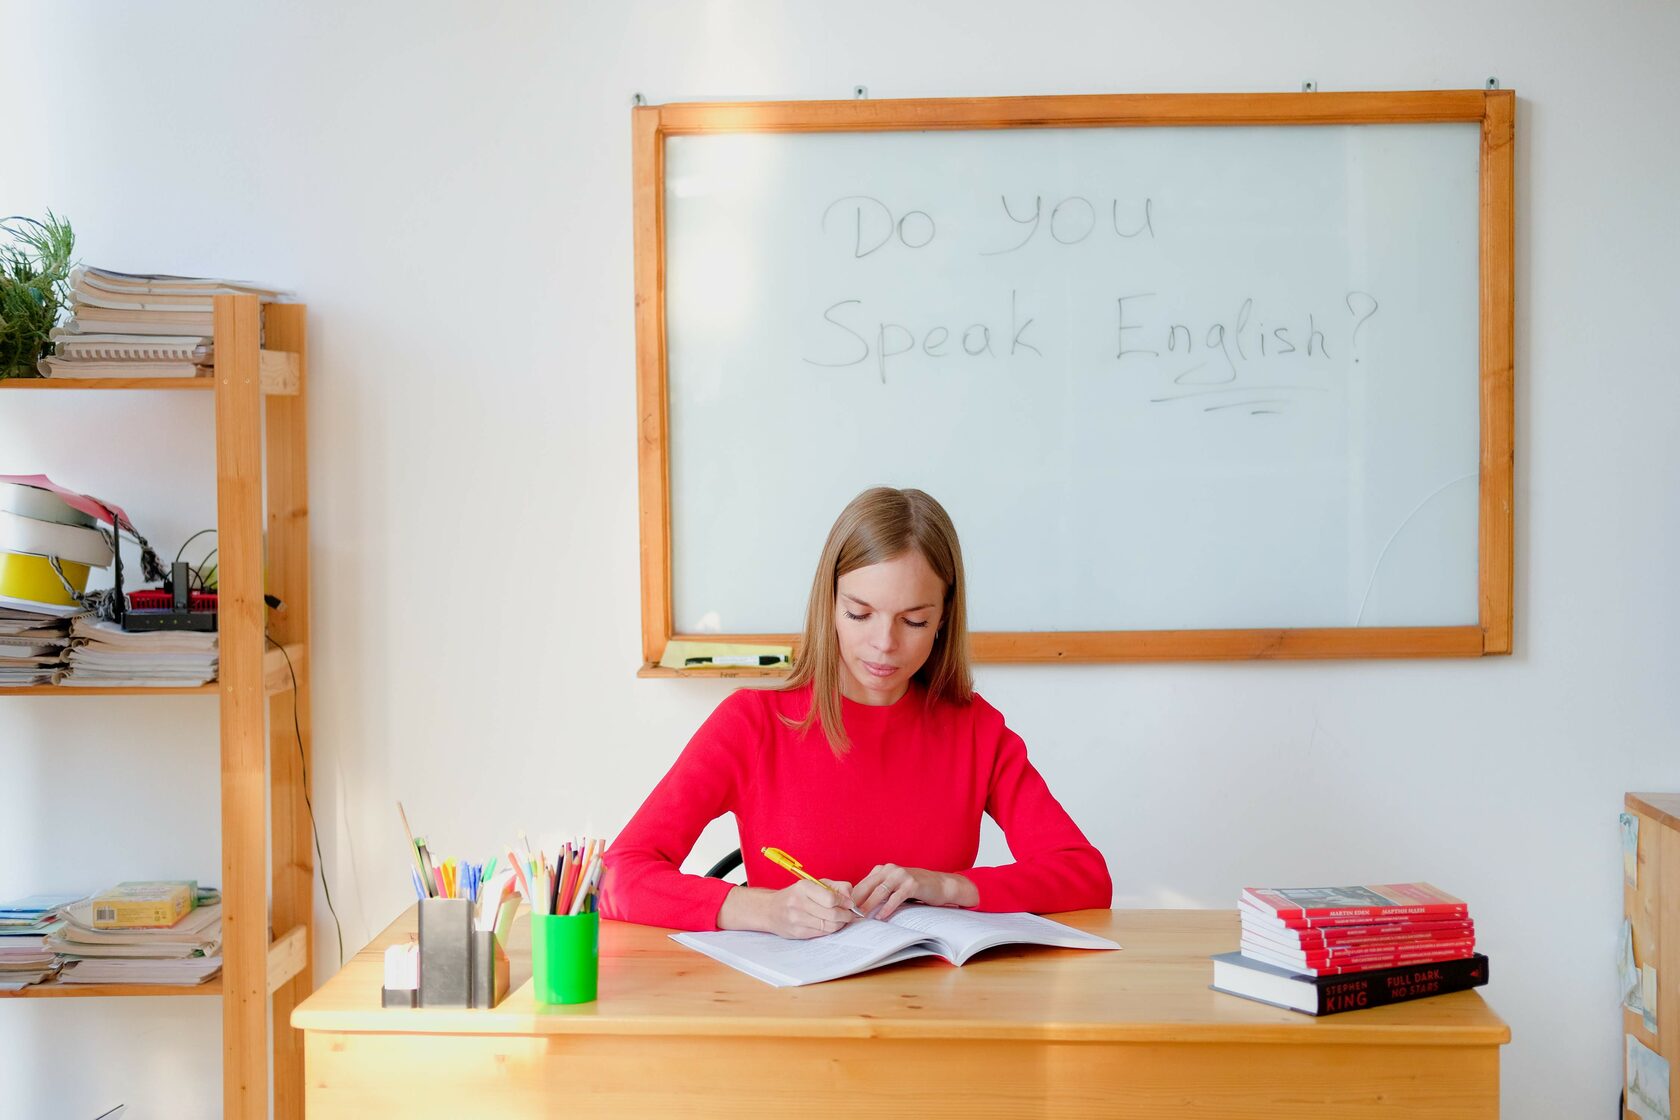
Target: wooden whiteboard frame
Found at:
1493, 110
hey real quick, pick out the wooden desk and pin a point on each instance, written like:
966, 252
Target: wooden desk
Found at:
1027, 1032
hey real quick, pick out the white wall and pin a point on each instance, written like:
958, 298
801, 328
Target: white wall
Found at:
448, 185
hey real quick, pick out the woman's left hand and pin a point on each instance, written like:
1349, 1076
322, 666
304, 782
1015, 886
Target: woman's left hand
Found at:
889, 886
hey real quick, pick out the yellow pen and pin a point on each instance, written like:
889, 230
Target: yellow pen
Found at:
783, 860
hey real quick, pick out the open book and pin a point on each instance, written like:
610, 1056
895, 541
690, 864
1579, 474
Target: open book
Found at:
914, 931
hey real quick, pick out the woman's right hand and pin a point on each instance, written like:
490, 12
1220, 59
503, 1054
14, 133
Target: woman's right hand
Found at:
800, 911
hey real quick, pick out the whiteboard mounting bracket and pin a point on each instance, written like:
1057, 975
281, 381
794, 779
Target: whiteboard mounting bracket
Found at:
1309, 86
860, 93
1493, 83
637, 99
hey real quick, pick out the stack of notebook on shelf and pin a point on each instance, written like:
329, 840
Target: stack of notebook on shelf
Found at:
104, 655
25, 961
127, 325
131, 934
25, 924
1327, 949
32, 646
47, 547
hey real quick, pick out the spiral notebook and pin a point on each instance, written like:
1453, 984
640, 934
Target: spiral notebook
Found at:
129, 348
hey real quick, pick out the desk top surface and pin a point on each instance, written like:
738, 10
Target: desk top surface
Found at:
1154, 989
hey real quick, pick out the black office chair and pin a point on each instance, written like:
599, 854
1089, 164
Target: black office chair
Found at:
725, 865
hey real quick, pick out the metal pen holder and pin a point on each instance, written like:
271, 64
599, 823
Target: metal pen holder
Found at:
459, 966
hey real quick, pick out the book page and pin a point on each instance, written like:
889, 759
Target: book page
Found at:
962, 933
789, 963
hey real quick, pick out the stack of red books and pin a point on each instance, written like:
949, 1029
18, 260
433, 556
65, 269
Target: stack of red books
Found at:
1329, 931
1322, 950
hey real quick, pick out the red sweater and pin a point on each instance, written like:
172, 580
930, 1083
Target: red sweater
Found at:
910, 792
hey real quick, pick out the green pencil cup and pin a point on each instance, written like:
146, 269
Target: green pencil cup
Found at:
565, 957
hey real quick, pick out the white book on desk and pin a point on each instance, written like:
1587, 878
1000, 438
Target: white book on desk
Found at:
915, 931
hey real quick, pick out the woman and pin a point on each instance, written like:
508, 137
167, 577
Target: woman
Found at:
872, 765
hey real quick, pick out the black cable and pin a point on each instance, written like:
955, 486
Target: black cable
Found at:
188, 541
197, 569
303, 765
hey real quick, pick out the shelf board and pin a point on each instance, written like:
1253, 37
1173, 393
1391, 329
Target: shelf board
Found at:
279, 370
108, 383
78, 690
54, 989
652, 670
277, 678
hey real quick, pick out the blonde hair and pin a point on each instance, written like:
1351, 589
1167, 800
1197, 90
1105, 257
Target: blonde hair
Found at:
878, 525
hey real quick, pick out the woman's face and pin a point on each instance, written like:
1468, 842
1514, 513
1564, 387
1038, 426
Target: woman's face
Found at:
886, 616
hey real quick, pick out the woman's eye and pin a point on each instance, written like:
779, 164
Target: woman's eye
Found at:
856, 617
917, 625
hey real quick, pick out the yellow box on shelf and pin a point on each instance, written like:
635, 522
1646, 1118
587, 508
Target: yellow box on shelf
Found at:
27, 579
144, 905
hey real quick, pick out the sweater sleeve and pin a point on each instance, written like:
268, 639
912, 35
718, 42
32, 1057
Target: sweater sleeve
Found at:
1055, 867
642, 880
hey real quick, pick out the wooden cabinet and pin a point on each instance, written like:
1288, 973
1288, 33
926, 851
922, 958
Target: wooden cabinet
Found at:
1653, 906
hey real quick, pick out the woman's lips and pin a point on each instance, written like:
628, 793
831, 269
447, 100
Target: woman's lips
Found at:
880, 670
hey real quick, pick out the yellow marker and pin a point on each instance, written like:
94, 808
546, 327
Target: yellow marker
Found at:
783, 860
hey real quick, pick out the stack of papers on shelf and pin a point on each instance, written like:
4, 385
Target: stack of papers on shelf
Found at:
189, 952
104, 655
32, 916
23, 947
129, 325
32, 646
26, 960
186, 972
25, 925
17, 973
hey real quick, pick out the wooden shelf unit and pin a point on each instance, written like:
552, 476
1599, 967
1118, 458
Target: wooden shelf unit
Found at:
1653, 906
261, 414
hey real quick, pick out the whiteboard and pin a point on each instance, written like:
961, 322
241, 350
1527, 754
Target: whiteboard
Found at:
1162, 378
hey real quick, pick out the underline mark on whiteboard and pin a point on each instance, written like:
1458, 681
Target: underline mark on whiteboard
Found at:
1182, 377
1377, 567
1240, 389
1243, 404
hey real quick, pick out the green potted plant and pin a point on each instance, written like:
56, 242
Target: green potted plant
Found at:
34, 287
